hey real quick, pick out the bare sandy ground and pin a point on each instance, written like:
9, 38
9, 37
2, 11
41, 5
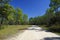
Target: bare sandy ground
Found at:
33, 35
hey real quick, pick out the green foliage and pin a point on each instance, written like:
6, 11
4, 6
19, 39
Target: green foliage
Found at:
25, 19
5, 1
10, 15
55, 4
51, 18
18, 16
55, 28
11, 30
4, 10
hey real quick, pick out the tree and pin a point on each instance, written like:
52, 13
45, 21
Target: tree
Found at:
19, 16
55, 4
25, 19
4, 8
12, 16
4, 1
4, 11
31, 21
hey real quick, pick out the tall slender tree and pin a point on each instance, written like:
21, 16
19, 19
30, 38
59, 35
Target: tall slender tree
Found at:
19, 16
25, 19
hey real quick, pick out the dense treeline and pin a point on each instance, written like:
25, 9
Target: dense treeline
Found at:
51, 18
14, 16
10, 15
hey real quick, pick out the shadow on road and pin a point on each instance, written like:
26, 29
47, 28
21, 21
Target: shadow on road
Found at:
32, 29
52, 38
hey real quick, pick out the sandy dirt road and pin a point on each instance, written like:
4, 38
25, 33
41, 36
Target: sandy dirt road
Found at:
34, 35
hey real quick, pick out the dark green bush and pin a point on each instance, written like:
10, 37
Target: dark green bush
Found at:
55, 28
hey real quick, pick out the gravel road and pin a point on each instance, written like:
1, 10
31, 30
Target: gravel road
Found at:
34, 33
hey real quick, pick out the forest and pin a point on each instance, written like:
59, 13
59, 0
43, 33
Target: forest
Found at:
10, 15
15, 16
51, 18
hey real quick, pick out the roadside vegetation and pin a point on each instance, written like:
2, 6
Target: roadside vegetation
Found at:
10, 15
51, 18
12, 30
13, 19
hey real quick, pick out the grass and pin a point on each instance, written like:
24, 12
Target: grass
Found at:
47, 28
10, 30
44, 27
57, 33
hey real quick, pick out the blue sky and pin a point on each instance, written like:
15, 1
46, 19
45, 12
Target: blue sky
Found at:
31, 7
